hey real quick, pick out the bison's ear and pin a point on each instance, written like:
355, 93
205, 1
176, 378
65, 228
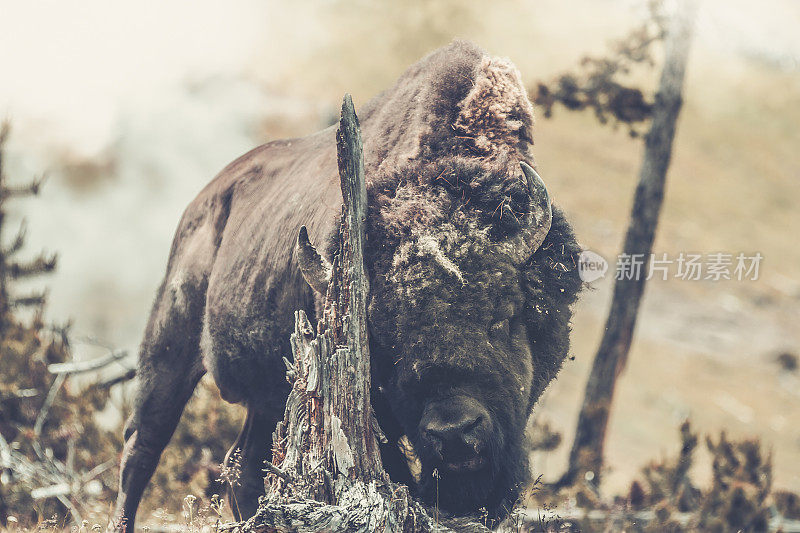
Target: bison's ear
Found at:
315, 268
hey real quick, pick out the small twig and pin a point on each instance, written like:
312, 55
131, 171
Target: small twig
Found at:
29, 189
97, 470
272, 469
18, 241
30, 300
48, 402
69, 463
40, 265
108, 383
26, 393
76, 367
76, 516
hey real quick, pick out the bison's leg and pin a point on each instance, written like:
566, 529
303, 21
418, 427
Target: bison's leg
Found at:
169, 368
170, 362
245, 463
146, 435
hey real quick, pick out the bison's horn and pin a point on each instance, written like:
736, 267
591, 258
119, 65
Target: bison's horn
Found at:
530, 238
315, 268
412, 459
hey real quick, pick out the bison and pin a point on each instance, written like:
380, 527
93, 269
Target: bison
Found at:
472, 275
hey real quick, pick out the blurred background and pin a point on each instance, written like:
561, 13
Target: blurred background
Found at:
130, 108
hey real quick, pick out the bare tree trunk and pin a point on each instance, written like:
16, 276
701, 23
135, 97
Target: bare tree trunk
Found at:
587, 449
326, 473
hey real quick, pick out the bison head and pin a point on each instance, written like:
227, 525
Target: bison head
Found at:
471, 278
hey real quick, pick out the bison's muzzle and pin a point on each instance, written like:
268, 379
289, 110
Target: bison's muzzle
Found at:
455, 431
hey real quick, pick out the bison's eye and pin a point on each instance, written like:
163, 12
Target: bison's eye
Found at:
500, 329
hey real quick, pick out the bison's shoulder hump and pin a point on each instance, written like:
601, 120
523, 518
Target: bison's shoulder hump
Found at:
457, 99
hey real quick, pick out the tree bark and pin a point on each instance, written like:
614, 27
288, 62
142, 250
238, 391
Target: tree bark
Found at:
587, 449
326, 473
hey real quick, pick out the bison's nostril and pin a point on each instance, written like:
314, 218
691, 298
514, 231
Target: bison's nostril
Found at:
434, 440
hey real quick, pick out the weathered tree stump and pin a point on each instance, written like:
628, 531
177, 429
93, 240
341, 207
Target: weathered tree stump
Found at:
326, 473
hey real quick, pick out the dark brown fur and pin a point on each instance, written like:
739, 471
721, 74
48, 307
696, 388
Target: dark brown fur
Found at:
442, 149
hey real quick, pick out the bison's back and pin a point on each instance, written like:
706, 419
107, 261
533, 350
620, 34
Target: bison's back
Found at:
254, 285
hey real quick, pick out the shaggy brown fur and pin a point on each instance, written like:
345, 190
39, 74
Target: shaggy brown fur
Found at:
451, 313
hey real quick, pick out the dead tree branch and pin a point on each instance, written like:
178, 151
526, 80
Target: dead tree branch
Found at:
31, 188
39, 265
600, 83
110, 382
18, 242
587, 449
36, 299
